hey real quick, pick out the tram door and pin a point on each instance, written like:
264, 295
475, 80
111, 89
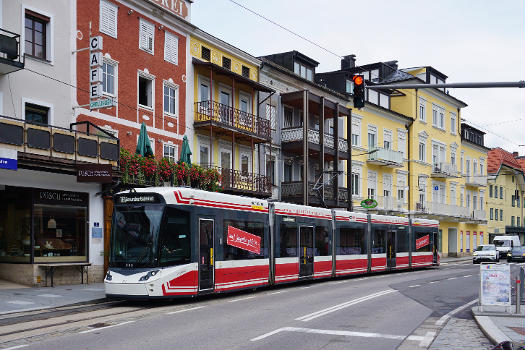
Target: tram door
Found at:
435, 245
306, 254
205, 254
391, 249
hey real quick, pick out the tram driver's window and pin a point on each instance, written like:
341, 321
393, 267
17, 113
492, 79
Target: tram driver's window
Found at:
175, 239
352, 241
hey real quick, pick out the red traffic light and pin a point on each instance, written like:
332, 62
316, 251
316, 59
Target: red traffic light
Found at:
358, 79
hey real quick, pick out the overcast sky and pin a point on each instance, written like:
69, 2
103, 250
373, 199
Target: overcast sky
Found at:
467, 40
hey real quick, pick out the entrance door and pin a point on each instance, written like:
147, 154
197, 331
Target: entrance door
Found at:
452, 242
391, 249
306, 254
205, 254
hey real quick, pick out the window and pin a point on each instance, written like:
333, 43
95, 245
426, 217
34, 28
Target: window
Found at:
303, 71
422, 116
270, 115
270, 169
513, 200
205, 53
288, 118
467, 167
287, 172
501, 192
496, 212
108, 18
452, 194
349, 86
374, 75
372, 185
146, 36
387, 139
253, 227
422, 151
175, 238
244, 102
373, 96
453, 123
453, 159
501, 215
372, 137
36, 114
309, 74
323, 241
287, 240
171, 48
244, 164
108, 78
518, 223
35, 35
145, 92
351, 241
461, 164
204, 91
378, 241
204, 155
355, 184
491, 213
384, 101
490, 191
356, 132
434, 116
170, 152
245, 72
442, 119
512, 222
226, 62
170, 99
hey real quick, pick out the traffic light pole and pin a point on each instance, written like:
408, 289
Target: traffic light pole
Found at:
508, 84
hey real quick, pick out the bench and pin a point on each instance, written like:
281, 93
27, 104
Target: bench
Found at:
50, 270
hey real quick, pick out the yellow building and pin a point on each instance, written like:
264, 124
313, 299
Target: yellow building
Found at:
227, 128
506, 188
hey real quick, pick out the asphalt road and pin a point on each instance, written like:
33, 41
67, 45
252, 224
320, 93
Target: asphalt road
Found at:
375, 312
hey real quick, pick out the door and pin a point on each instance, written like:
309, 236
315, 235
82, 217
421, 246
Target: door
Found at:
391, 249
452, 242
225, 110
306, 251
205, 254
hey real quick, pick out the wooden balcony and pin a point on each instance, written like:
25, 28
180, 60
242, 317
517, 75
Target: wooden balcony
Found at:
219, 116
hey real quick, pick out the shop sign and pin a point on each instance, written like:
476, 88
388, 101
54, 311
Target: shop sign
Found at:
8, 159
101, 173
243, 240
495, 284
44, 196
368, 203
176, 7
423, 241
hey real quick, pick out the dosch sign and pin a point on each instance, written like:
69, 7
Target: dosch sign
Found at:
176, 7
423, 241
243, 240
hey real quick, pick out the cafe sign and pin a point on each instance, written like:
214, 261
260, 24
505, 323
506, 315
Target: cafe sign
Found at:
368, 203
101, 173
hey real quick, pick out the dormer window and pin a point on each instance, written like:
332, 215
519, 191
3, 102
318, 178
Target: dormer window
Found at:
374, 75
303, 71
349, 86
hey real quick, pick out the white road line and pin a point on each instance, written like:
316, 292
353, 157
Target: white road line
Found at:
337, 332
101, 328
184, 310
427, 339
338, 307
445, 318
451, 278
279, 292
20, 302
414, 286
433, 282
16, 347
49, 296
241, 299
467, 275
339, 282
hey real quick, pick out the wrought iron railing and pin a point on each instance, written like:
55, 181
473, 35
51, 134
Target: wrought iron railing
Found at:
294, 189
212, 111
244, 182
296, 134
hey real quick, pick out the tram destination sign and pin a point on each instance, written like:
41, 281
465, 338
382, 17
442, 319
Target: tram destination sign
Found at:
243, 240
138, 198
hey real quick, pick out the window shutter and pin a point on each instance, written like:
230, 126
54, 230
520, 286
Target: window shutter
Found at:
171, 46
146, 36
108, 18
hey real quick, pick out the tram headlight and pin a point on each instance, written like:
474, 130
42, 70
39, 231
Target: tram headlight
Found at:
148, 275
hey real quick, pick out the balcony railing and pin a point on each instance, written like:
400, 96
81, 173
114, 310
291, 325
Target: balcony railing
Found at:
386, 157
236, 181
442, 170
390, 203
10, 59
479, 215
86, 144
296, 134
442, 209
233, 118
294, 189
476, 180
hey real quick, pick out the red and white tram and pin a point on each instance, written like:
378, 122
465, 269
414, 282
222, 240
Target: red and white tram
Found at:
171, 242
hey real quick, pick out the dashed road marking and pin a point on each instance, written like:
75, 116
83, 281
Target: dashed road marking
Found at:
20, 302
241, 299
49, 296
467, 276
414, 286
184, 310
16, 347
101, 328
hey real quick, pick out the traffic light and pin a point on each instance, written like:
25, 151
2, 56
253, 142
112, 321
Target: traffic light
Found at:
359, 91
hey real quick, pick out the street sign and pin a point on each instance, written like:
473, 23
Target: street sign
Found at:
8, 159
102, 103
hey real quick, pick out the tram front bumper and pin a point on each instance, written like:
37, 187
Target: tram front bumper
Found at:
126, 289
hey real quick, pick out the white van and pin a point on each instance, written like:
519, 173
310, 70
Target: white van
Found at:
504, 244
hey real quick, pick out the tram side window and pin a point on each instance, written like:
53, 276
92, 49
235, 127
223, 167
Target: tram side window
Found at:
422, 242
352, 241
402, 240
323, 244
378, 241
175, 247
253, 227
288, 244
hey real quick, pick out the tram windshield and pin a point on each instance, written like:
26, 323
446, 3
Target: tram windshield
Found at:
135, 234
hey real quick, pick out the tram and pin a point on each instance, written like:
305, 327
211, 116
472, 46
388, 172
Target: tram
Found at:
180, 242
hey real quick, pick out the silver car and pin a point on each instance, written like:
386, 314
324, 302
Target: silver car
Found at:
485, 252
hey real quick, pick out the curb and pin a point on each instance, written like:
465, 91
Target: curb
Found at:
491, 331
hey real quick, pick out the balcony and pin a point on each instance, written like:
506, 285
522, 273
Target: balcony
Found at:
293, 192
442, 209
443, 170
390, 204
296, 134
480, 215
476, 180
52, 147
385, 157
10, 60
239, 182
218, 115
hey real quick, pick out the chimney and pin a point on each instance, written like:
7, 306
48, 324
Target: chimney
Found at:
348, 62
515, 154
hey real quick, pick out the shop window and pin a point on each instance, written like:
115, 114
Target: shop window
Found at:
36, 35
36, 114
253, 227
351, 241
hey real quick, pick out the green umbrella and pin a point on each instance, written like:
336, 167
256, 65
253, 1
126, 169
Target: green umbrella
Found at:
185, 152
143, 144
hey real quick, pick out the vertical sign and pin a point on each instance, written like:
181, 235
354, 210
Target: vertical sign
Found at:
95, 70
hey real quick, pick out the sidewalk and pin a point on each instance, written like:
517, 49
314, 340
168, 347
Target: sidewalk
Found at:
501, 326
14, 299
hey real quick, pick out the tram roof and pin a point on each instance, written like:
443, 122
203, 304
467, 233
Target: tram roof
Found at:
425, 222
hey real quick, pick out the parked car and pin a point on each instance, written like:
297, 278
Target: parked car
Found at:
516, 254
485, 252
505, 243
